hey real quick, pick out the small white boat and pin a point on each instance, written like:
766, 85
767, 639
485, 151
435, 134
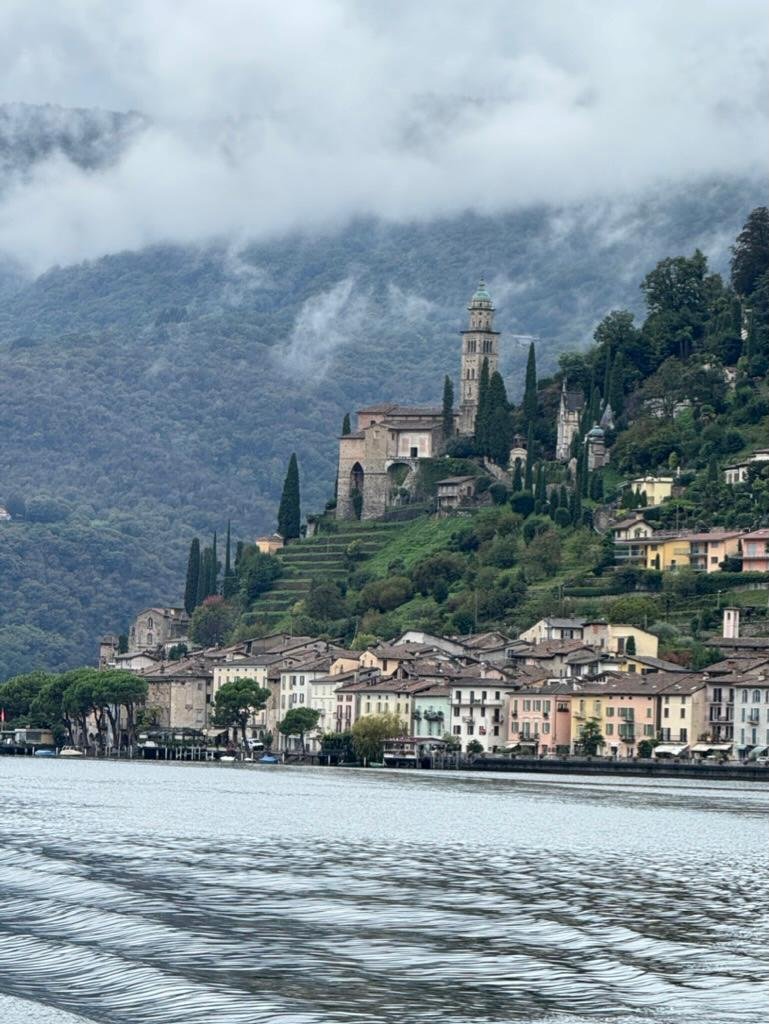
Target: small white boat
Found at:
70, 752
226, 758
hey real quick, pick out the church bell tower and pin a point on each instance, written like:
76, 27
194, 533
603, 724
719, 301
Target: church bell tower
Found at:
480, 341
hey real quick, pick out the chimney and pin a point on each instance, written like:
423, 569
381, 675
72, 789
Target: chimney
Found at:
731, 630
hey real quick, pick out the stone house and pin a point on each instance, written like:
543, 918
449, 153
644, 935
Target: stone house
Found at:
454, 491
155, 626
181, 693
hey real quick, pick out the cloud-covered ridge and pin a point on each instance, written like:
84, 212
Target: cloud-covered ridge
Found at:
266, 118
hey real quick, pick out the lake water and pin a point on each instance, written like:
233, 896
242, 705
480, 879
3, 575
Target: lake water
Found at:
143, 893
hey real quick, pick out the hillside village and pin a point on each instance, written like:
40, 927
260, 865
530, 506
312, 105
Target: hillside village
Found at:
584, 572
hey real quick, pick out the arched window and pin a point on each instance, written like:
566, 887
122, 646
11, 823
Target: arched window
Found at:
756, 696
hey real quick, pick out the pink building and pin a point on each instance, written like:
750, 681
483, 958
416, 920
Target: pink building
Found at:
708, 550
755, 551
539, 718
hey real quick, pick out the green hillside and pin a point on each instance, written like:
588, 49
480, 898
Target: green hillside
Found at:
148, 397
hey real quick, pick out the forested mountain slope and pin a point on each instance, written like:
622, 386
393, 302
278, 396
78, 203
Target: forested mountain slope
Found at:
148, 396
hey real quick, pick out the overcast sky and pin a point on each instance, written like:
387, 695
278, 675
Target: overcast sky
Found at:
270, 115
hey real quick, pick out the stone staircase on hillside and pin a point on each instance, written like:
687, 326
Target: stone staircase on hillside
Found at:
319, 558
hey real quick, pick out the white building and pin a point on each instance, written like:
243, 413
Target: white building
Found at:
478, 710
751, 715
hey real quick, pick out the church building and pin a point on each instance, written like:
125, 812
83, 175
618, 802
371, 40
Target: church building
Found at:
569, 414
379, 460
480, 341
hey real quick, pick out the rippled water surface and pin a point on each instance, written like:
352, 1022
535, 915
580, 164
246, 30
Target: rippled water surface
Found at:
133, 893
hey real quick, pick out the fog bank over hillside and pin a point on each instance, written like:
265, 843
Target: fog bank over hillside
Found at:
260, 120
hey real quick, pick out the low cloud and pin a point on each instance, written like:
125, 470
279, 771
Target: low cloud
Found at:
261, 118
325, 323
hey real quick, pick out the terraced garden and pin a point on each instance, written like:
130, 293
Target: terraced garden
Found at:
320, 558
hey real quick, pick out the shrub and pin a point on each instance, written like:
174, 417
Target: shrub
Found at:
443, 567
384, 595
499, 493
634, 610
522, 503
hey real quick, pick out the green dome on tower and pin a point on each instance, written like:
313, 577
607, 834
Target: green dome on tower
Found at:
481, 294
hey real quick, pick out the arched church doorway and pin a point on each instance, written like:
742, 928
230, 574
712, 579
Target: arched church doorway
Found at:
357, 481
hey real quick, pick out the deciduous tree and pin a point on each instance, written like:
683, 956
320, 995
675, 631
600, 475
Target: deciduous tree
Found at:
370, 732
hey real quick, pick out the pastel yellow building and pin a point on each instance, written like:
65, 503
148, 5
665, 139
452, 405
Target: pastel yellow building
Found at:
656, 488
666, 553
270, 545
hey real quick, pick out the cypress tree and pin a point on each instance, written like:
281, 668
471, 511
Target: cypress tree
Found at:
499, 425
527, 479
482, 413
229, 583
617, 385
289, 515
540, 491
564, 500
239, 547
448, 408
517, 477
213, 580
607, 375
530, 390
193, 576
346, 428
204, 579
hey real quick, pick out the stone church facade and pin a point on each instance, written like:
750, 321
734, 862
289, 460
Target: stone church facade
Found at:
379, 460
569, 413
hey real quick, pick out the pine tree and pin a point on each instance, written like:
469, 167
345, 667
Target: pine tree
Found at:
448, 408
289, 515
193, 576
530, 390
482, 413
346, 428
